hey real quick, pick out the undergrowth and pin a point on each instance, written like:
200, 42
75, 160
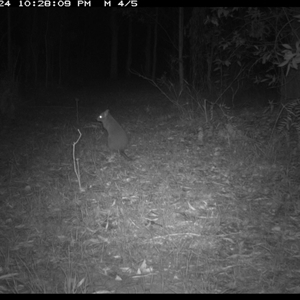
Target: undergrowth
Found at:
209, 205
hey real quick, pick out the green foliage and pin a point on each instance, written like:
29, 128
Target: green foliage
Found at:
291, 56
255, 40
289, 122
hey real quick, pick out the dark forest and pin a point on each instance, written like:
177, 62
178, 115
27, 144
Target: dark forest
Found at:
149, 149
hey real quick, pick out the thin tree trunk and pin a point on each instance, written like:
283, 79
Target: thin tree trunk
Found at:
46, 53
114, 46
34, 48
180, 48
148, 51
129, 49
9, 64
60, 53
154, 54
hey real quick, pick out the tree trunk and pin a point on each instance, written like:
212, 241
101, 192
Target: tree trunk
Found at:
148, 51
114, 46
9, 53
47, 58
60, 53
290, 88
180, 48
129, 49
154, 53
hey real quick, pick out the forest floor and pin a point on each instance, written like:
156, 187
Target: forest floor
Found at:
204, 207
